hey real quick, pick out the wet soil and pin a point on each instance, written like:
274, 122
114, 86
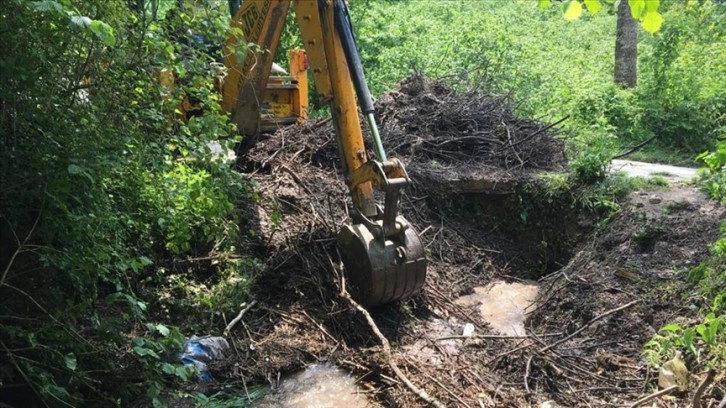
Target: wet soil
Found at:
477, 202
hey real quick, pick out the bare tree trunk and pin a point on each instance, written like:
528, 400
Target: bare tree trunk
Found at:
626, 47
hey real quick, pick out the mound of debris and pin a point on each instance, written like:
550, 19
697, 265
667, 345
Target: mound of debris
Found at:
461, 150
424, 121
434, 130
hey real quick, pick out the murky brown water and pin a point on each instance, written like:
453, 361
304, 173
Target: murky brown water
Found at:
318, 386
503, 305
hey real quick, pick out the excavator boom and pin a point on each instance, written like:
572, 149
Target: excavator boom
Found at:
382, 254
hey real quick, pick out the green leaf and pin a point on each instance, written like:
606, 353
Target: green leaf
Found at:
636, 8
184, 372
652, 21
543, 3
56, 391
81, 21
79, 170
75, 169
651, 5
671, 328
143, 351
168, 368
163, 330
145, 260
71, 362
593, 6
103, 32
573, 11
46, 5
688, 337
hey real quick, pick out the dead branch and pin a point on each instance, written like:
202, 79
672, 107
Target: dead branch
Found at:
702, 387
654, 396
21, 245
526, 373
388, 353
27, 379
451, 392
634, 148
493, 336
238, 318
586, 325
544, 129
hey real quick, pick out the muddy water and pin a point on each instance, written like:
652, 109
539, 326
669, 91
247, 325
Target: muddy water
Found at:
503, 305
318, 386
640, 169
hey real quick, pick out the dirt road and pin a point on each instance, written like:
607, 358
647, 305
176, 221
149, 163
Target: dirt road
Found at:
641, 169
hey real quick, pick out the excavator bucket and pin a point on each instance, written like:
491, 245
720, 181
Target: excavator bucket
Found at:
382, 270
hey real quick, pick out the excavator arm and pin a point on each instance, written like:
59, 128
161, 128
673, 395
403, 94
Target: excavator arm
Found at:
382, 253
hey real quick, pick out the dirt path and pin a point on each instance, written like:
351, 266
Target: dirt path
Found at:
642, 169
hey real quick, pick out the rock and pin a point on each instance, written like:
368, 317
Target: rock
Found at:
673, 372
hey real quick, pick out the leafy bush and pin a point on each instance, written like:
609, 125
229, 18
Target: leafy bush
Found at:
681, 95
102, 185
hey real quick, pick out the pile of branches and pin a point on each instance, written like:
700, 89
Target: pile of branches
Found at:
425, 120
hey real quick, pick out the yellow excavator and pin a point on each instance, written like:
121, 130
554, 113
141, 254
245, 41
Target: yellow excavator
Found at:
382, 254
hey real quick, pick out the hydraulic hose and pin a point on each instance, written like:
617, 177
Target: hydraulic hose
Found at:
234, 5
344, 27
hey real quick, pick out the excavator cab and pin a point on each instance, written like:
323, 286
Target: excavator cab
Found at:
381, 251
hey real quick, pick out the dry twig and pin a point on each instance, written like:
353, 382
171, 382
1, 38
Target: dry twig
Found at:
702, 387
389, 353
234, 321
653, 396
586, 325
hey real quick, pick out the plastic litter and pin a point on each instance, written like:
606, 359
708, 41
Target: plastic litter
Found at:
198, 351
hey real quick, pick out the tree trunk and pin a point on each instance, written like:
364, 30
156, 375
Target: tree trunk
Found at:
626, 48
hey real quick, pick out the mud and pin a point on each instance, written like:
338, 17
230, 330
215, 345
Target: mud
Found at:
502, 305
318, 386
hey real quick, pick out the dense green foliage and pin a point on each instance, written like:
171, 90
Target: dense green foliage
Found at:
104, 190
557, 68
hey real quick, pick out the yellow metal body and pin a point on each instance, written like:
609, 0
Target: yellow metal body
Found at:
382, 254
319, 37
285, 99
256, 22
260, 22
